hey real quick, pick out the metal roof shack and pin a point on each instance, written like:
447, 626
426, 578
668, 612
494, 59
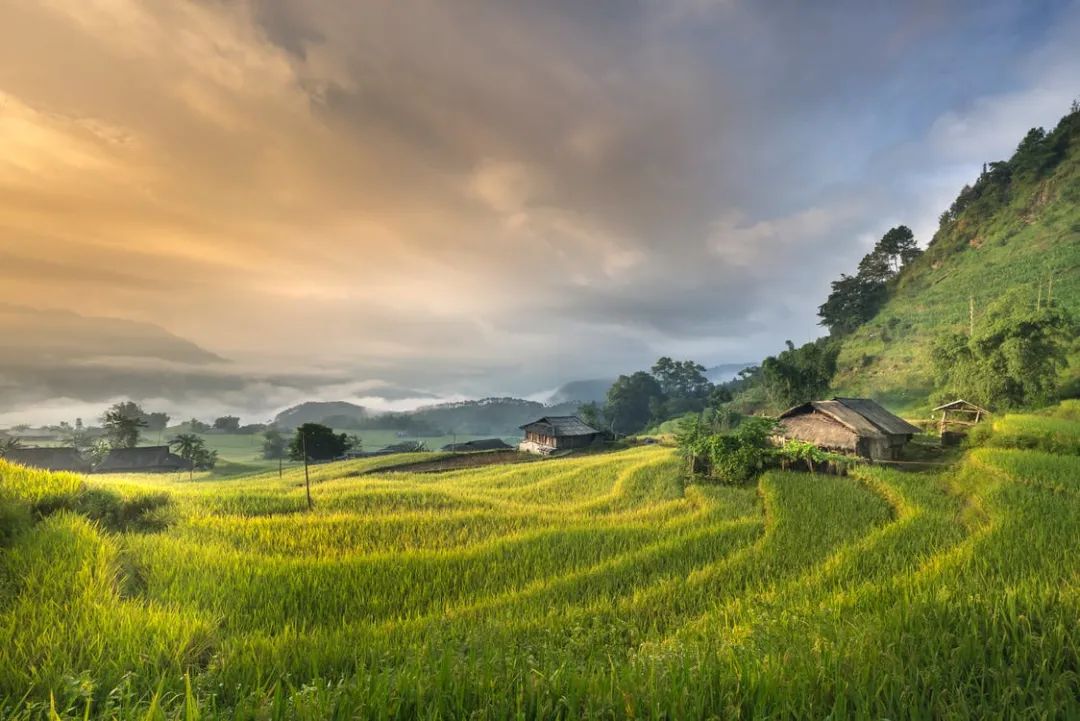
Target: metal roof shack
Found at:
848, 425
49, 459
147, 459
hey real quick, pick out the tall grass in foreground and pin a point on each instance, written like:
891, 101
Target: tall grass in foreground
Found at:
600, 587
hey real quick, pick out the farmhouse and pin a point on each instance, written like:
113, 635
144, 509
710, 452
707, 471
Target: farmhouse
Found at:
148, 459
49, 459
848, 425
557, 433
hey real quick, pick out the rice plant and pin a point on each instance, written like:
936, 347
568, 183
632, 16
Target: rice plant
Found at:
597, 587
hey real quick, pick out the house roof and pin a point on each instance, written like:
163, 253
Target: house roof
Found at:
560, 426
862, 415
52, 459
145, 458
403, 447
876, 414
961, 403
481, 444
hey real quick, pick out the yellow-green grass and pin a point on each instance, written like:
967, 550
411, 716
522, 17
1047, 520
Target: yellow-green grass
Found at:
596, 587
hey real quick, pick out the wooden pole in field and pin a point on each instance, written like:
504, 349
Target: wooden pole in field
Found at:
307, 478
280, 463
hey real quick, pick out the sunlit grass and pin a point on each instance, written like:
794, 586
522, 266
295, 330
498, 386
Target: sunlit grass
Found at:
603, 586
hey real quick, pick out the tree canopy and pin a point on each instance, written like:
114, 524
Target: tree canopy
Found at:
228, 424
319, 441
799, 374
858, 298
631, 402
123, 424
275, 444
1013, 356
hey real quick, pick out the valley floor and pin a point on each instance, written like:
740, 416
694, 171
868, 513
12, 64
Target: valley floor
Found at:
601, 586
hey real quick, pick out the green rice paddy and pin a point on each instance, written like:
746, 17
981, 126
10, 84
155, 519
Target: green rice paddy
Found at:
594, 587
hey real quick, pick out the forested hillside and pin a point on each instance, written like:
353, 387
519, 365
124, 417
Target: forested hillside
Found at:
1016, 231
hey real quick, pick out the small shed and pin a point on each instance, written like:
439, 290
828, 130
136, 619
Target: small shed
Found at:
959, 413
49, 459
147, 459
557, 433
480, 444
858, 426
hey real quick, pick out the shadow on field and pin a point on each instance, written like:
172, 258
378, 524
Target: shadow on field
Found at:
138, 513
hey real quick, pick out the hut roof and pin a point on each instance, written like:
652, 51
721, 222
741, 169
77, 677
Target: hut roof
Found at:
560, 426
961, 404
876, 414
51, 459
482, 444
820, 429
862, 415
146, 458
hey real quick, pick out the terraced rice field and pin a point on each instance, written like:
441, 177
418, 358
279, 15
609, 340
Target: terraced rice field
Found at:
600, 587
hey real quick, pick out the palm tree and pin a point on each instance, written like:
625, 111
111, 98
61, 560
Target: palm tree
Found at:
189, 447
123, 429
7, 445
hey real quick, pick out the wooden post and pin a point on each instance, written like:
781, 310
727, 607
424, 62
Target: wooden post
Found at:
307, 478
280, 463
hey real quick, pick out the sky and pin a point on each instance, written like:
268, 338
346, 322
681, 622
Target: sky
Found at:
260, 201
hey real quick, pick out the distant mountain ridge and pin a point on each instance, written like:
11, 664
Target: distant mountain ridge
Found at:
495, 416
328, 412
32, 333
584, 391
725, 372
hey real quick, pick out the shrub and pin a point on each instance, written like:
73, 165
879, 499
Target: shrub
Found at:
734, 457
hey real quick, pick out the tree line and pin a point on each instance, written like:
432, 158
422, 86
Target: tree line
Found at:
667, 390
315, 441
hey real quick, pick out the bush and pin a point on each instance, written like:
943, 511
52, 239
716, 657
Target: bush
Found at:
979, 435
734, 457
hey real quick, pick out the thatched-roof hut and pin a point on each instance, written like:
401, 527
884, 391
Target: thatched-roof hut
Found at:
557, 433
848, 425
147, 459
49, 459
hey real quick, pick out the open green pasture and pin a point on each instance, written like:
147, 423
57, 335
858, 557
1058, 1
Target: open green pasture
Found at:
603, 586
246, 449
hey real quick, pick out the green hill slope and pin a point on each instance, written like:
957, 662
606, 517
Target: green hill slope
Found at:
1018, 226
